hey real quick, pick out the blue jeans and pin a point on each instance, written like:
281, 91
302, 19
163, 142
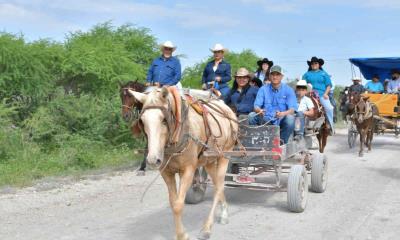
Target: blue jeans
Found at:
302, 119
328, 109
286, 124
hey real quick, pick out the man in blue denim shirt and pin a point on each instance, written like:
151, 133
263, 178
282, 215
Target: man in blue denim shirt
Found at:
166, 69
217, 73
275, 103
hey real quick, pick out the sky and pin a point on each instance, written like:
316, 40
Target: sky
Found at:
287, 31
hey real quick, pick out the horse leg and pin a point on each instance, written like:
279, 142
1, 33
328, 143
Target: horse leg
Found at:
217, 174
177, 201
362, 139
142, 168
324, 140
319, 137
169, 179
369, 138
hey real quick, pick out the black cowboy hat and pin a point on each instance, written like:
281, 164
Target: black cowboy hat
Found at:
315, 59
395, 71
257, 81
265, 60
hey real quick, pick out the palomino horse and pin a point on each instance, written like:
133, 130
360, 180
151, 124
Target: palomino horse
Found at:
363, 118
323, 130
176, 144
129, 107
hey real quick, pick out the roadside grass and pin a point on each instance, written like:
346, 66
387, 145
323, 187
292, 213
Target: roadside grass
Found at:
32, 164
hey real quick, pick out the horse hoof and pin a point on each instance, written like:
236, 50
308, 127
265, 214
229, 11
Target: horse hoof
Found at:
361, 154
184, 236
204, 235
223, 220
140, 173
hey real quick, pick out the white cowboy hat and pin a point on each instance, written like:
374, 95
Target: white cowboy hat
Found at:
218, 47
168, 44
303, 83
356, 79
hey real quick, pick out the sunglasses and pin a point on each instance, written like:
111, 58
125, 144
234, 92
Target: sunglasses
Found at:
168, 49
218, 51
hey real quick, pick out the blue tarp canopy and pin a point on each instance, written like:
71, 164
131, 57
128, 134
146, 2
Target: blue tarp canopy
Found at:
380, 66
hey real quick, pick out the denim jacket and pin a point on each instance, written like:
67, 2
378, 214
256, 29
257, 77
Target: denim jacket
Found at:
223, 71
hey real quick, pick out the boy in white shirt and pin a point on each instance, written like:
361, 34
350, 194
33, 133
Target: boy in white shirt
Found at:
306, 108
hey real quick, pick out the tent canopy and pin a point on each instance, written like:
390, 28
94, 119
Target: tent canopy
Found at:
380, 66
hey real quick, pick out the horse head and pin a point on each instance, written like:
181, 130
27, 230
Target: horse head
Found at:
129, 103
362, 110
157, 120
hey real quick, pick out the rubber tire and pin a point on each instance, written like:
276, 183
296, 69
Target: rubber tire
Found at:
297, 189
319, 173
196, 194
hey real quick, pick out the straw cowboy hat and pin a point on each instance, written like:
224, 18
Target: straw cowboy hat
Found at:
168, 44
242, 72
218, 47
317, 60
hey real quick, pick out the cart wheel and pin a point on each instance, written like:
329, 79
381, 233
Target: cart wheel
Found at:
297, 189
197, 191
319, 173
351, 137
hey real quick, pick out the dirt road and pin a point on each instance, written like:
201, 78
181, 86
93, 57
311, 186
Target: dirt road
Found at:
362, 201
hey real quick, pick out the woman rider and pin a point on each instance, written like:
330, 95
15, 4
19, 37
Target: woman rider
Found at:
217, 73
242, 95
262, 72
321, 82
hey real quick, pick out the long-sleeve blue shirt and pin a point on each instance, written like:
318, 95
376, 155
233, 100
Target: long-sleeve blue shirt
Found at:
223, 71
243, 101
273, 100
319, 80
166, 71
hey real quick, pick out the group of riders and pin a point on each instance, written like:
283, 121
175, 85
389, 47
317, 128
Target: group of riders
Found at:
261, 95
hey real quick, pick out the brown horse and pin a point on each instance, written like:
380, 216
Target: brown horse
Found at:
130, 108
363, 118
216, 129
323, 130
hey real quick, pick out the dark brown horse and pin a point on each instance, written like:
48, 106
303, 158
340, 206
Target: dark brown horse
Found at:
323, 130
363, 118
130, 108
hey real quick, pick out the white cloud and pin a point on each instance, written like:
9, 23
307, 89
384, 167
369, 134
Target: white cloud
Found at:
275, 6
20, 15
183, 15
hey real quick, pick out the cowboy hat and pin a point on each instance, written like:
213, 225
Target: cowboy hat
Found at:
317, 60
168, 44
257, 81
356, 79
218, 47
304, 84
265, 60
242, 72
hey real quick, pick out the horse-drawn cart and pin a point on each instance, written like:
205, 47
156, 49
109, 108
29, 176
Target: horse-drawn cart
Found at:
260, 153
388, 104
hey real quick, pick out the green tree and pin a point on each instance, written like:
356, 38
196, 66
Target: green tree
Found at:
98, 59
